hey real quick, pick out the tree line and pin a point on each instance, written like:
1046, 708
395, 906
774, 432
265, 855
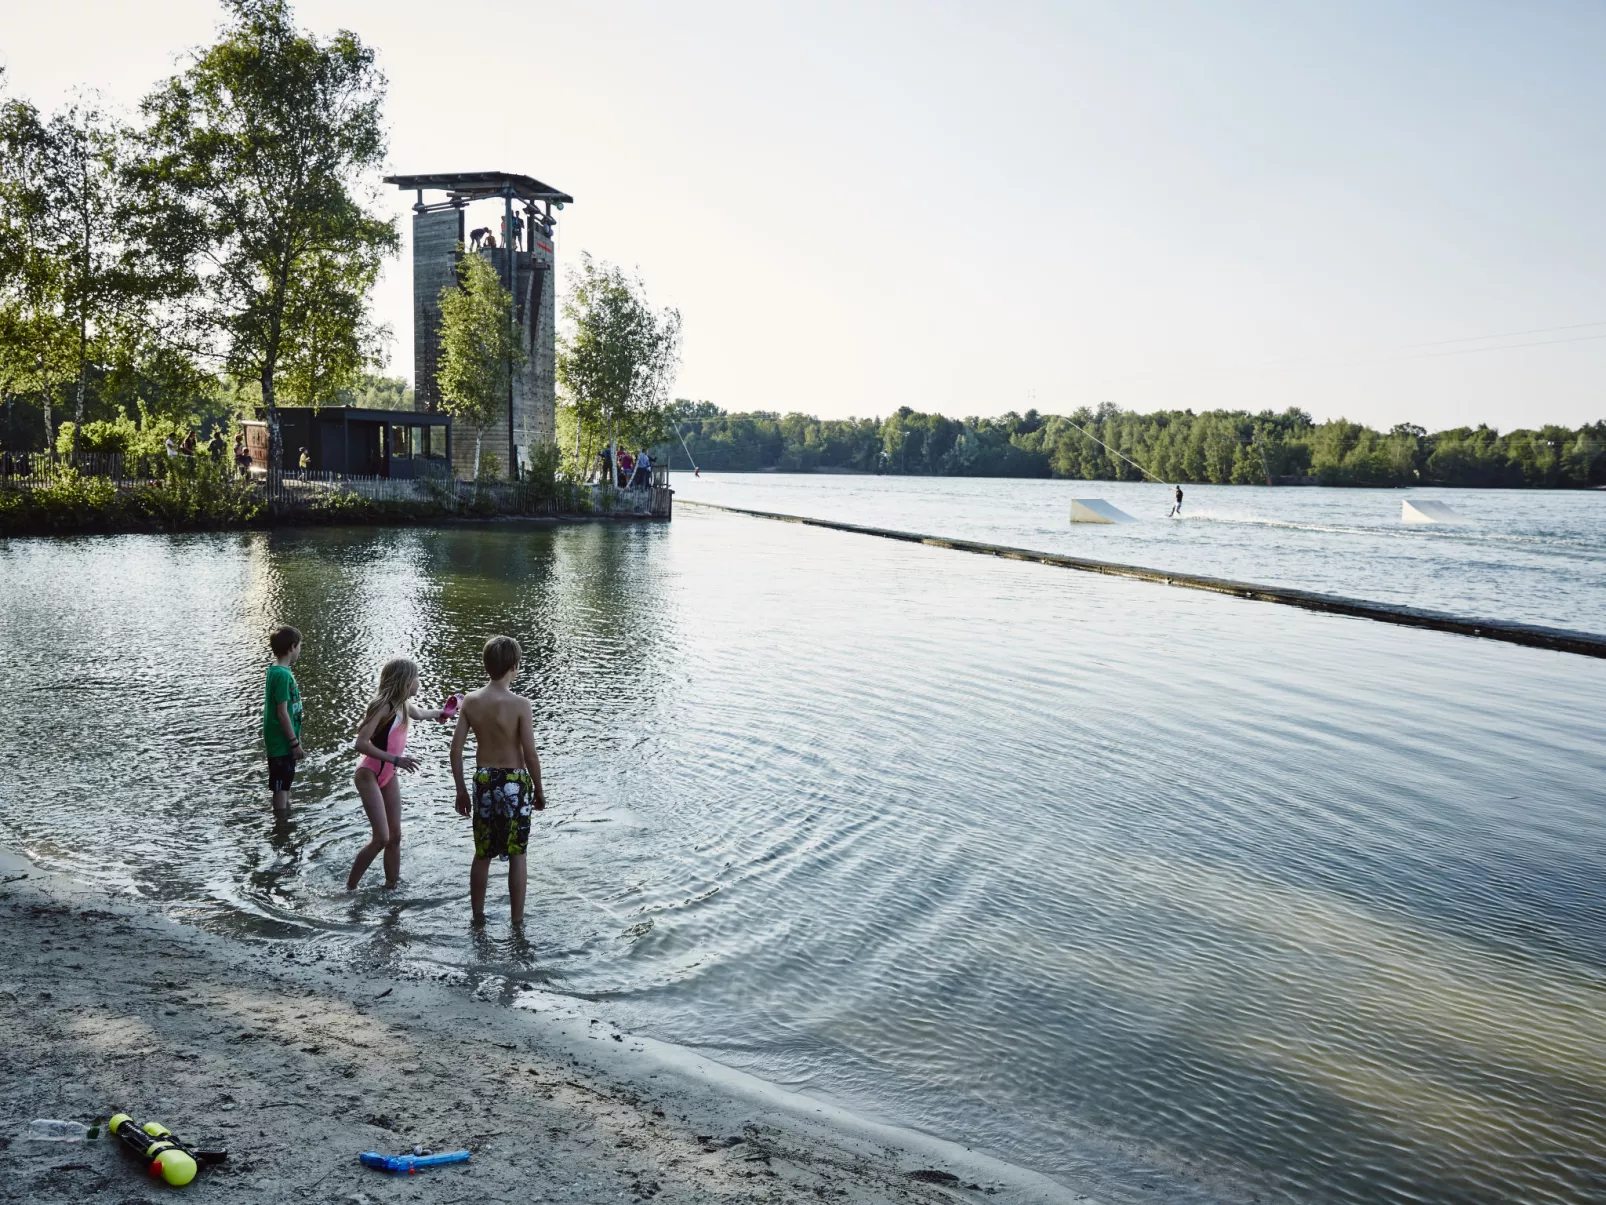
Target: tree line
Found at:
1221, 447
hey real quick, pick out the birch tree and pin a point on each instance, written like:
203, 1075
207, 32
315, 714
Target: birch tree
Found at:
617, 361
480, 348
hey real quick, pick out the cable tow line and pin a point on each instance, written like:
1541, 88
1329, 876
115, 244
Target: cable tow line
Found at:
1113, 452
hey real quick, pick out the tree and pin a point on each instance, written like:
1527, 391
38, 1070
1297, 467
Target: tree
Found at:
33, 334
480, 347
617, 362
251, 193
84, 219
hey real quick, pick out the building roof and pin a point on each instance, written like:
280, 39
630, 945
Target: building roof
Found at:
473, 185
364, 414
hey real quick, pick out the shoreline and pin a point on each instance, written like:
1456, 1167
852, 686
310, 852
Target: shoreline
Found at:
296, 1067
305, 522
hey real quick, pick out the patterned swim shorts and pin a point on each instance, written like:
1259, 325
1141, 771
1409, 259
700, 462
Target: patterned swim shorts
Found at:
503, 801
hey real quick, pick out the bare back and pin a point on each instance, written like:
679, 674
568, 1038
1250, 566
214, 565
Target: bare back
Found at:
504, 735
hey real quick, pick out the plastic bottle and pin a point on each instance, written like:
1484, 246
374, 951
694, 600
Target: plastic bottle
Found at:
45, 1130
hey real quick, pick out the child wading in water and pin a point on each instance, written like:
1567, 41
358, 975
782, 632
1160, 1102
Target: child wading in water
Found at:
507, 775
281, 717
382, 740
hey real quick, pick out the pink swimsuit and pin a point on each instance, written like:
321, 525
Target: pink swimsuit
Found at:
392, 738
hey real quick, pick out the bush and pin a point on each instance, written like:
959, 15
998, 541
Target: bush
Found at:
196, 495
124, 436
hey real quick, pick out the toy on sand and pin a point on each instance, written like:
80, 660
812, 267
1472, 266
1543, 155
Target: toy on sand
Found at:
410, 1164
168, 1157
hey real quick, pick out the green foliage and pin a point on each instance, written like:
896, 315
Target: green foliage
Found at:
1220, 447
249, 194
191, 494
373, 392
480, 349
616, 361
124, 436
35, 334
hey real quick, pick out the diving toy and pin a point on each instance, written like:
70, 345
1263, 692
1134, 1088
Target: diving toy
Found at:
168, 1156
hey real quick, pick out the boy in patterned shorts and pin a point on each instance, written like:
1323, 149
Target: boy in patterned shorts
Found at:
507, 775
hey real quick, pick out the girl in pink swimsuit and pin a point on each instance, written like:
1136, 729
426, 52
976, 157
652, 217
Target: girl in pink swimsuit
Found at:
382, 741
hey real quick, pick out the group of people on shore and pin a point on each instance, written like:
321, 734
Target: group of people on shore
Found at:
634, 471
216, 447
506, 788
188, 445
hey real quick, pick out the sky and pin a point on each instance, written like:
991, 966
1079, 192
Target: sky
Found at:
1387, 212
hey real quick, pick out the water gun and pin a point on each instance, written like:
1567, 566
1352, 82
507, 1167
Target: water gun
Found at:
169, 1158
410, 1164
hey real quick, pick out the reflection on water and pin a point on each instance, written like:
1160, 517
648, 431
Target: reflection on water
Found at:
1157, 887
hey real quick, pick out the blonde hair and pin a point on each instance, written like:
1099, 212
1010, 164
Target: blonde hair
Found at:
394, 679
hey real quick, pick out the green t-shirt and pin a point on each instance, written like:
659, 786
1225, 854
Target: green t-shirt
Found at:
282, 688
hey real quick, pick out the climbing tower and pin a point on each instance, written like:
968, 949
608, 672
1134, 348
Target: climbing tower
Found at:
525, 266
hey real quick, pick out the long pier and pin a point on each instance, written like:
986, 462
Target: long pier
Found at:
1560, 640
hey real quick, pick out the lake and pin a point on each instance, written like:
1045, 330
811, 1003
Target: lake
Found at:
1193, 897
1532, 556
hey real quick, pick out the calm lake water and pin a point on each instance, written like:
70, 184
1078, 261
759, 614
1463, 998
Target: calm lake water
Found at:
1196, 897
1535, 556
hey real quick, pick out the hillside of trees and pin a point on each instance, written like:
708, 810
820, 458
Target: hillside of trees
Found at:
1222, 447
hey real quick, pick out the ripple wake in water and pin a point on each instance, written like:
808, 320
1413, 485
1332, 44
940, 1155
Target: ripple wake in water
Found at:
1165, 888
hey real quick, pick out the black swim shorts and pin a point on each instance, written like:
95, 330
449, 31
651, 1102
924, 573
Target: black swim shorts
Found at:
503, 801
281, 772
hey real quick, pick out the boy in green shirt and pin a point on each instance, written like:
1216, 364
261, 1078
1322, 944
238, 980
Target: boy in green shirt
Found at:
281, 717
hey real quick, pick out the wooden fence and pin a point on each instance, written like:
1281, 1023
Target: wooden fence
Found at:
30, 469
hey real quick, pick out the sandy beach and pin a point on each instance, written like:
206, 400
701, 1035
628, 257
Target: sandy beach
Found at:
295, 1069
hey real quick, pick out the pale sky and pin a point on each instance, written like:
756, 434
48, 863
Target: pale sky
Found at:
974, 208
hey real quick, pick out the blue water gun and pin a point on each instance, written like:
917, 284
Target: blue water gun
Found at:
410, 1164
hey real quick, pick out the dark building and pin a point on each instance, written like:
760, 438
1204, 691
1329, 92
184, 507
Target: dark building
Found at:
359, 442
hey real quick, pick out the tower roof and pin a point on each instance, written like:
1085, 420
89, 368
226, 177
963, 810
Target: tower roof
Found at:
475, 185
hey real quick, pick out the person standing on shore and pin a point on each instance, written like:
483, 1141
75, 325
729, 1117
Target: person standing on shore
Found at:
507, 776
281, 717
382, 741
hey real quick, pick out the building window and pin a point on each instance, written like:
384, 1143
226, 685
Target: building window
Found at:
398, 443
437, 442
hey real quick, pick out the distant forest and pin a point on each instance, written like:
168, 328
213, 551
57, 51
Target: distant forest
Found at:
1222, 447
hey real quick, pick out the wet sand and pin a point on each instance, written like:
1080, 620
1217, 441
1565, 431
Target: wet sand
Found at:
296, 1068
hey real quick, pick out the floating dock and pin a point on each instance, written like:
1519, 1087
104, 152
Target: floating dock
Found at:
1561, 640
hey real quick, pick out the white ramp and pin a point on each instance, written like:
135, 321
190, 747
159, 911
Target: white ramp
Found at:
1423, 511
1097, 510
